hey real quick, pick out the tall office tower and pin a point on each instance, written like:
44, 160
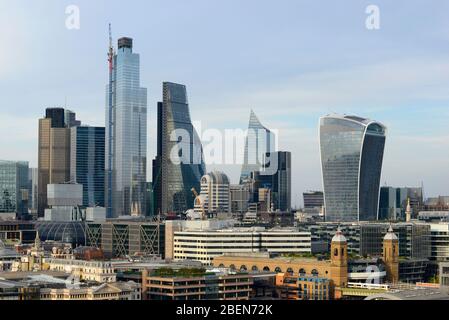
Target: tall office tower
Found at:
70, 119
126, 134
57, 116
259, 142
215, 194
403, 195
282, 181
33, 178
87, 161
313, 199
54, 153
352, 151
240, 197
179, 164
14, 188
150, 200
276, 177
387, 204
393, 202
157, 164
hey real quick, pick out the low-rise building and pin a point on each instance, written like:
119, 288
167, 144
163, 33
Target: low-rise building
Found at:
302, 287
106, 291
196, 284
444, 274
336, 270
17, 232
205, 245
7, 257
98, 271
118, 238
439, 238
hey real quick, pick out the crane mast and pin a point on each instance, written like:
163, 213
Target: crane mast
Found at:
110, 122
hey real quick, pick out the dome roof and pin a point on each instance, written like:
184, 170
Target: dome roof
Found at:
390, 234
339, 237
217, 177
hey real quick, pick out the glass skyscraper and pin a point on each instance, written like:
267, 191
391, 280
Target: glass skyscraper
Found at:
259, 142
276, 175
282, 181
14, 188
54, 152
87, 163
126, 134
352, 151
179, 164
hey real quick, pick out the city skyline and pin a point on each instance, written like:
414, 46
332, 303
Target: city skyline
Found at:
395, 78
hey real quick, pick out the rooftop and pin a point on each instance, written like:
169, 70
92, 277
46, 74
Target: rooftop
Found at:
413, 294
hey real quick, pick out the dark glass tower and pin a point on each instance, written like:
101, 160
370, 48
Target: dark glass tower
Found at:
282, 181
57, 116
179, 163
352, 150
87, 164
276, 176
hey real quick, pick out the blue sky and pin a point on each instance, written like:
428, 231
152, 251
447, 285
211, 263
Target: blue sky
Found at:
289, 61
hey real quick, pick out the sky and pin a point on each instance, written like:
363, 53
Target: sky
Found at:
289, 61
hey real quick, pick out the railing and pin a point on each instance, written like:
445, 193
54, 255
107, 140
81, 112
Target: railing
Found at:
369, 286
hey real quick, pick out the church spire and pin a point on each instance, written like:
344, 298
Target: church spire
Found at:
408, 211
37, 241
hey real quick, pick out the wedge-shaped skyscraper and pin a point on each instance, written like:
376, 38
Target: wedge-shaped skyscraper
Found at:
179, 164
352, 150
259, 142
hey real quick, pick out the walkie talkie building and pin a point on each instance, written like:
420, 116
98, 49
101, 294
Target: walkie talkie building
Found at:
352, 150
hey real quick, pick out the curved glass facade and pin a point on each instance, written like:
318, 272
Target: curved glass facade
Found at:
176, 136
351, 157
73, 232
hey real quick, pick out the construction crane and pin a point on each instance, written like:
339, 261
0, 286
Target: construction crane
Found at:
110, 123
197, 196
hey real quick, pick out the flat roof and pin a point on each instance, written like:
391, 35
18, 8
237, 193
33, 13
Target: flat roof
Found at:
413, 294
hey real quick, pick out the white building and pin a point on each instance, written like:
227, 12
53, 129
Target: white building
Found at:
106, 291
215, 194
439, 237
97, 214
64, 201
204, 245
65, 195
98, 271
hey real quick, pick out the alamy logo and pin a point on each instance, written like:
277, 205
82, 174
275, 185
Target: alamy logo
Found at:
225, 147
72, 21
373, 20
